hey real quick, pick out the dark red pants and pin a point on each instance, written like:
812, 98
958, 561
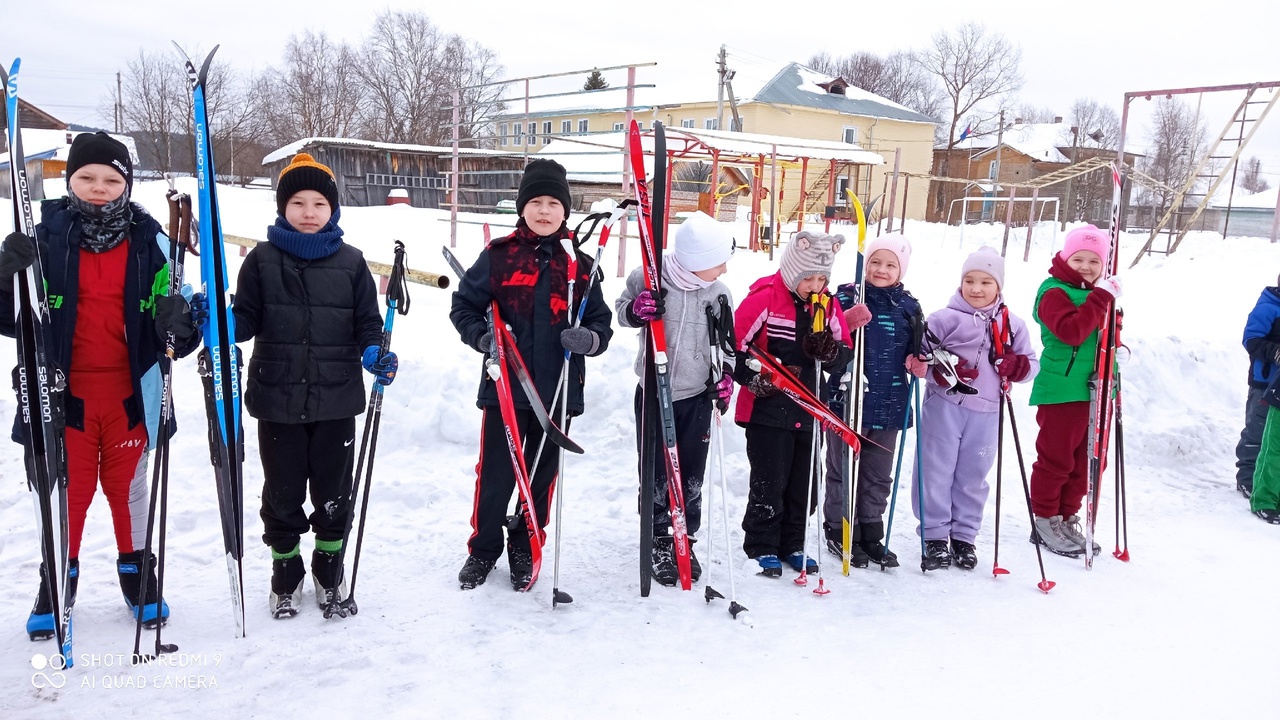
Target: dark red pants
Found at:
1060, 475
109, 453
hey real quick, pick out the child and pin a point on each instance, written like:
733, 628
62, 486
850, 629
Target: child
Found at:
527, 272
105, 263
311, 306
1265, 500
777, 317
689, 286
958, 432
1262, 341
891, 316
1069, 307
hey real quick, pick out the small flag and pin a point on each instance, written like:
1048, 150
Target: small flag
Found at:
967, 129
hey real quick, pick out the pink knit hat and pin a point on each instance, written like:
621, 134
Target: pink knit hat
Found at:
1087, 238
895, 243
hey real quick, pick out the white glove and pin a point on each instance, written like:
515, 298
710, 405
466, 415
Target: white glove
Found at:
1110, 285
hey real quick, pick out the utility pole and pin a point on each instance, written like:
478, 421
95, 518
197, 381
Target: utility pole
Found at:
723, 70
995, 180
119, 104
1075, 142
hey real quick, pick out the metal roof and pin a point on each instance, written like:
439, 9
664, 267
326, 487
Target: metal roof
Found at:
797, 85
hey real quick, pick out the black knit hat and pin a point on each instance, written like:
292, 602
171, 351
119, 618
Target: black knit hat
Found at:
99, 148
543, 177
304, 173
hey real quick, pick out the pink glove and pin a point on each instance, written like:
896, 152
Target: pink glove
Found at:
916, 366
1111, 286
724, 388
857, 316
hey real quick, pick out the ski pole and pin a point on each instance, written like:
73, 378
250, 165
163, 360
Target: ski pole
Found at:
819, 305
717, 440
1122, 501
1045, 584
897, 470
557, 595
996, 570
915, 399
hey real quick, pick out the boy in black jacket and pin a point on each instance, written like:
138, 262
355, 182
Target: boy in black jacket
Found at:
527, 272
311, 303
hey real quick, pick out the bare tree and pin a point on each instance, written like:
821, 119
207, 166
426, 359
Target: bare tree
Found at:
156, 109
1029, 113
316, 93
1251, 176
975, 68
1176, 141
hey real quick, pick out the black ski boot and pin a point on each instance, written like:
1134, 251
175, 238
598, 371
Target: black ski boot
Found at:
41, 623
330, 581
519, 556
964, 554
869, 536
695, 567
1245, 489
287, 575
936, 555
1271, 516
663, 560
474, 572
130, 567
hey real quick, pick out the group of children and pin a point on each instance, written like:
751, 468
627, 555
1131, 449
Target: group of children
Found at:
310, 304
793, 316
306, 296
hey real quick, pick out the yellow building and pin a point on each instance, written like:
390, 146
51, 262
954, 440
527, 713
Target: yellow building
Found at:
796, 103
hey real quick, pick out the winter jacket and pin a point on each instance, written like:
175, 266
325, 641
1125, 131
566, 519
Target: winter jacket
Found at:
528, 275
685, 323
888, 338
777, 320
965, 331
146, 277
310, 321
1069, 311
1262, 338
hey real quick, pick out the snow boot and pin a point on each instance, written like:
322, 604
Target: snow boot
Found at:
41, 624
936, 555
1271, 516
868, 537
1245, 489
663, 561
519, 556
328, 576
964, 554
474, 572
798, 559
695, 567
287, 575
770, 566
131, 567
1071, 528
1048, 534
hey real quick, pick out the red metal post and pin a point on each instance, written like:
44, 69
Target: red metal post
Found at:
715, 183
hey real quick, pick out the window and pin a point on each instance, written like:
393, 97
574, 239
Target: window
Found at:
408, 181
546, 132
991, 170
617, 127
640, 126
842, 195
711, 124
517, 134
582, 127
687, 123
533, 133
851, 135
566, 127
502, 134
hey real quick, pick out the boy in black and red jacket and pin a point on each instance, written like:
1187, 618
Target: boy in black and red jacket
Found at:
527, 272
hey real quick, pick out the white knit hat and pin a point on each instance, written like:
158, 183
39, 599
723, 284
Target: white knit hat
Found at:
702, 243
986, 260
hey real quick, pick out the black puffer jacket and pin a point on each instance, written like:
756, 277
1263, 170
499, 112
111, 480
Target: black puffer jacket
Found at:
312, 319
528, 276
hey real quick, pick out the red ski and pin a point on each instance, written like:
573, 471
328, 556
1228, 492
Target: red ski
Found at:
783, 379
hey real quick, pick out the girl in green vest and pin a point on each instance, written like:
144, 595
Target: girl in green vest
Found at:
1069, 308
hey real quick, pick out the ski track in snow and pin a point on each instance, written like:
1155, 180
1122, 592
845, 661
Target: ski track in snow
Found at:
1169, 634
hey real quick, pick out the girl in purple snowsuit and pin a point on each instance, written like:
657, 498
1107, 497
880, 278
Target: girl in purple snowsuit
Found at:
958, 433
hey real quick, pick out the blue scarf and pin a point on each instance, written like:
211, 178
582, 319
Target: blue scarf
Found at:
303, 245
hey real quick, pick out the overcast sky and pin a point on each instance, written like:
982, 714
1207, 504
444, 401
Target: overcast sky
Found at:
71, 50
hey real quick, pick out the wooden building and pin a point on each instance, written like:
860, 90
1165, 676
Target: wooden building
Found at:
368, 171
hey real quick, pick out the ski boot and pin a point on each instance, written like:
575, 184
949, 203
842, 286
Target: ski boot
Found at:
1048, 534
663, 561
287, 575
41, 623
1270, 516
1071, 528
964, 554
331, 585
130, 567
474, 572
936, 555
519, 556
798, 560
770, 566
867, 537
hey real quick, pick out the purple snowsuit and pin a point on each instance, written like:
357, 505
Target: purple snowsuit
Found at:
958, 433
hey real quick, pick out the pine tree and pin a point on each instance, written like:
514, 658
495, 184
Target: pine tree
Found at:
595, 81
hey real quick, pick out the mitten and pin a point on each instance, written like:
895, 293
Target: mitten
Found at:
857, 316
820, 346
916, 366
580, 340
1111, 286
16, 253
1013, 368
761, 387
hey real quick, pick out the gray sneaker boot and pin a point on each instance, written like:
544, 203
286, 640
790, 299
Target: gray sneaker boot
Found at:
1048, 533
1071, 528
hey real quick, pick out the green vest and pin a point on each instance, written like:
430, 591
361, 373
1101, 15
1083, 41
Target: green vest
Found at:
1064, 370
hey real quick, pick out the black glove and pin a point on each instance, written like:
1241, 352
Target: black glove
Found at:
820, 346
580, 340
18, 252
761, 387
173, 315
483, 343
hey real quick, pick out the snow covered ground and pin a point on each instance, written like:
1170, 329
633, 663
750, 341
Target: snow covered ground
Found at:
1170, 634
